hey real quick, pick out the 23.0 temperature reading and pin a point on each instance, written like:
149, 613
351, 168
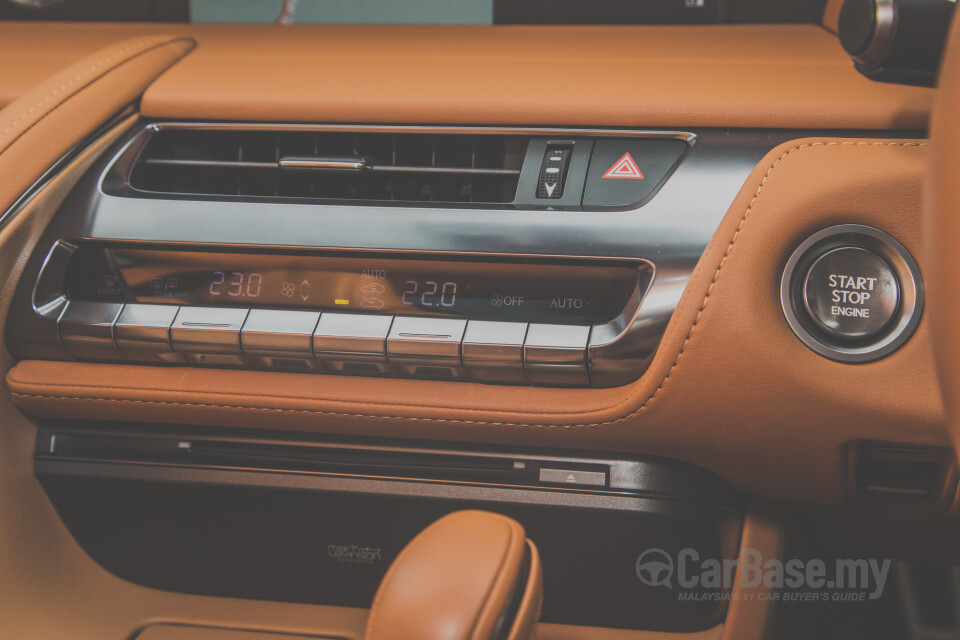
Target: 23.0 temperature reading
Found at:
237, 284
432, 294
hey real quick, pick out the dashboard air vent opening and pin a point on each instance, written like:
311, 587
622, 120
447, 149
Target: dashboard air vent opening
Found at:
908, 475
331, 165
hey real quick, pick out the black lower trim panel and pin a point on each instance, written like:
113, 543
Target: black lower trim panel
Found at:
287, 527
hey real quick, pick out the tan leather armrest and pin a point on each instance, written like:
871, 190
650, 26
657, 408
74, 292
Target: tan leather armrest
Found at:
455, 580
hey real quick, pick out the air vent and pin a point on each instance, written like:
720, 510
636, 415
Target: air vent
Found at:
904, 473
331, 165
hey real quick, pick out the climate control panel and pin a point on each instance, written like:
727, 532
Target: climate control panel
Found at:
494, 319
491, 288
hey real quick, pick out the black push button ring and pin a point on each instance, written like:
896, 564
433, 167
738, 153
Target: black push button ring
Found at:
851, 293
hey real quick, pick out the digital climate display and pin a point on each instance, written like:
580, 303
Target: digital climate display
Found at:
586, 292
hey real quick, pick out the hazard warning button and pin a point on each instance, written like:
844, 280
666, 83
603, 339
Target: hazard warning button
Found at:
624, 169
625, 172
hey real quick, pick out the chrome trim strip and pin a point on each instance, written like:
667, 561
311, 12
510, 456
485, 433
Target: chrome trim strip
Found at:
461, 130
48, 297
226, 164
61, 162
297, 162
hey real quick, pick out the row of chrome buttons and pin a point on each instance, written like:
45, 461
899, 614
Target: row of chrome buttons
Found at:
489, 351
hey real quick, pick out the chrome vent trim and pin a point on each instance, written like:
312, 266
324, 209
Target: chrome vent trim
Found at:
331, 165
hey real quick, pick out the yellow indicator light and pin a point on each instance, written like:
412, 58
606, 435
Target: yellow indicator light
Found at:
341, 301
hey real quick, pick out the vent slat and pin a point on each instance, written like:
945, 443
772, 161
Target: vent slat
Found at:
444, 170
227, 164
327, 165
321, 164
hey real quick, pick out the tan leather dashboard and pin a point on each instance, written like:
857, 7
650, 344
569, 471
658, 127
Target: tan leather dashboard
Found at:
788, 76
731, 389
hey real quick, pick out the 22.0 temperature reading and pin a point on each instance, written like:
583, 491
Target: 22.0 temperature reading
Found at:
432, 294
239, 284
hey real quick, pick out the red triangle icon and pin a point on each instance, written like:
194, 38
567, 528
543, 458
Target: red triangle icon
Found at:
624, 168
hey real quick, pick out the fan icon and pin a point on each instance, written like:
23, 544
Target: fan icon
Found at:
655, 568
288, 289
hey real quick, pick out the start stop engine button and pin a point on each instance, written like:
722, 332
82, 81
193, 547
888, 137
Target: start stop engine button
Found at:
851, 293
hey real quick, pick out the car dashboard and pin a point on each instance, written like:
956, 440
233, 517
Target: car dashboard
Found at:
281, 295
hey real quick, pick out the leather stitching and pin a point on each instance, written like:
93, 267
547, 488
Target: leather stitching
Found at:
318, 412
63, 388
632, 398
139, 44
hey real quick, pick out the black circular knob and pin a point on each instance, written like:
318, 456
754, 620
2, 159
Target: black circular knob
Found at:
896, 40
858, 25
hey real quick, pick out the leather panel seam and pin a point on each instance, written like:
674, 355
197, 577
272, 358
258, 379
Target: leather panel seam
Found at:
150, 44
63, 388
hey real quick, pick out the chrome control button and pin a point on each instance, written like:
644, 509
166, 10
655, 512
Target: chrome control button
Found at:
352, 338
851, 293
142, 333
208, 335
556, 354
493, 351
86, 330
427, 347
425, 340
280, 339
573, 476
